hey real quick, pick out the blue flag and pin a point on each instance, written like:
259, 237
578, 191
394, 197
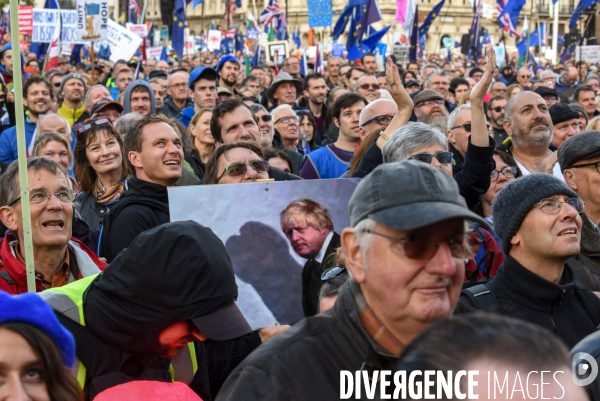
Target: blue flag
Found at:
104, 52
581, 6
342, 22
370, 14
513, 9
475, 42
424, 28
197, 3
414, 37
177, 36
239, 42
296, 38
75, 55
163, 54
368, 45
303, 64
256, 59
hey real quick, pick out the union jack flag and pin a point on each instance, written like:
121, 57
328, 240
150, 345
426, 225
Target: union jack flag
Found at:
229, 12
504, 21
270, 12
133, 5
230, 34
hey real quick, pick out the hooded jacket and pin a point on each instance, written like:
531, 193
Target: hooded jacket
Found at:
127, 97
170, 109
8, 141
172, 273
186, 115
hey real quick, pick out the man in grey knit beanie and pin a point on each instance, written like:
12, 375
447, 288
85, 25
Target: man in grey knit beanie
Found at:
538, 219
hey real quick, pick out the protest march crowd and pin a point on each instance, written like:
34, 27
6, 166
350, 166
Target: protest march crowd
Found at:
473, 241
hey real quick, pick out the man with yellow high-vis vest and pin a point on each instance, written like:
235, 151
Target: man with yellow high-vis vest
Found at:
164, 308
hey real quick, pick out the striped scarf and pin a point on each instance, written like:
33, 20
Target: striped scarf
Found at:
113, 194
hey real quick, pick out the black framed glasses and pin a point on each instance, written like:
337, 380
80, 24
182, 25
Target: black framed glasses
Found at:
438, 102
552, 205
239, 169
442, 157
469, 126
57, 84
286, 120
381, 120
334, 271
93, 123
423, 246
596, 164
65, 197
508, 172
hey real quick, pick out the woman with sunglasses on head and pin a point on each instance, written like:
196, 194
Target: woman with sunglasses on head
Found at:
203, 143
100, 169
36, 352
53, 145
237, 163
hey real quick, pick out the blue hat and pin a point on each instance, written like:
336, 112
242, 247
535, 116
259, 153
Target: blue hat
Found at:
202, 72
32, 310
226, 58
5, 48
536, 69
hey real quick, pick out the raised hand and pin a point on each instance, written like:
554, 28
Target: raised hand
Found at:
479, 90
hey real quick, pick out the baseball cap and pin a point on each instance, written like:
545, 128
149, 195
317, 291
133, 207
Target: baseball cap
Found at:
102, 104
584, 145
427, 94
433, 197
410, 83
202, 72
226, 58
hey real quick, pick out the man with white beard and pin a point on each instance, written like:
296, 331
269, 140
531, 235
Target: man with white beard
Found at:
430, 109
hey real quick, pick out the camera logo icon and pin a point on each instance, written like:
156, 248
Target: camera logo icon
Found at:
584, 369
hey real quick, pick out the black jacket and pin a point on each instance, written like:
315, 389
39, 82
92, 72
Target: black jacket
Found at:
196, 163
90, 210
586, 264
500, 135
170, 109
296, 158
473, 180
161, 279
143, 206
524, 295
304, 362
311, 277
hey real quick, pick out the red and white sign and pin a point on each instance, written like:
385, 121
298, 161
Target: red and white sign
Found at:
26, 20
214, 40
138, 29
154, 52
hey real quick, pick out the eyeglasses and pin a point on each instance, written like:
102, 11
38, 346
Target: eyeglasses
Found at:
266, 118
292, 64
508, 172
442, 157
250, 98
423, 246
468, 126
381, 120
37, 198
552, 205
178, 86
438, 102
525, 76
97, 123
57, 84
239, 169
334, 271
497, 109
550, 98
596, 164
286, 120
367, 86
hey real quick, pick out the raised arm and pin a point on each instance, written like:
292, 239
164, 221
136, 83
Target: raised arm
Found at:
479, 132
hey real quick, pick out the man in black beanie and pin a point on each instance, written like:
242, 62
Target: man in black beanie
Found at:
566, 124
538, 219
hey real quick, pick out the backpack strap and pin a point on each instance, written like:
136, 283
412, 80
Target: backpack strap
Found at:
4, 274
589, 302
482, 298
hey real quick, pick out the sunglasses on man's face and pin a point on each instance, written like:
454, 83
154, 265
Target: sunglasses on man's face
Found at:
367, 86
239, 169
266, 118
468, 126
442, 157
497, 109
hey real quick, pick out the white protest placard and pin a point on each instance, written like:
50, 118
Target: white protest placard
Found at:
401, 54
46, 21
487, 11
154, 52
92, 19
123, 43
214, 40
138, 29
590, 54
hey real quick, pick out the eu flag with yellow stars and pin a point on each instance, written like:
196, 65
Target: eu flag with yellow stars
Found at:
177, 34
414, 37
424, 28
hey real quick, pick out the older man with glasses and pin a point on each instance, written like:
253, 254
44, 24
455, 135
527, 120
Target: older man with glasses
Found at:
58, 257
524, 77
376, 115
579, 159
368, 87
382, 308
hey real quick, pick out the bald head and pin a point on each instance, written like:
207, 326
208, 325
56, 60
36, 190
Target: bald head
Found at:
571, 75
378, 108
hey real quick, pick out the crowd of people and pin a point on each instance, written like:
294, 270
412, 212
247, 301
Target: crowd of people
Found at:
473, 244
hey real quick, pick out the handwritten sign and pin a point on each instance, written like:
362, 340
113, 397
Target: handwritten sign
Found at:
122, 43
92, 19
25, 20
46, 21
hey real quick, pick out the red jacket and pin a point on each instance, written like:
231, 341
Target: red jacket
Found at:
13, 277
493, 254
